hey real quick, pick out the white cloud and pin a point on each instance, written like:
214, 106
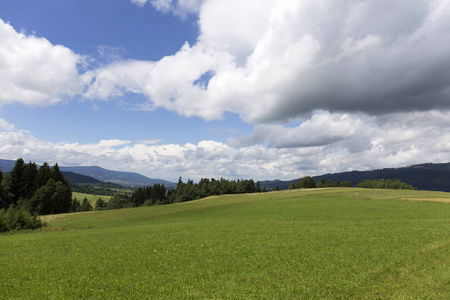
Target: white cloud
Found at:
5, 125
370, 94
116, 79
321, 129
35, 72
326, 143
139, 2
177, 7
275, 61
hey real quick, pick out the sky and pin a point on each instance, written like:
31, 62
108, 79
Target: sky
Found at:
260, 89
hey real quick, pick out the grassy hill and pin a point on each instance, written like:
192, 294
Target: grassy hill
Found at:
299, 244
91, 198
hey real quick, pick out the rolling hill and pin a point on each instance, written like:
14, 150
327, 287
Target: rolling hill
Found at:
424, 177
75, 178
335, 243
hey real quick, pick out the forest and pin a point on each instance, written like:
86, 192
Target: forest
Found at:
28, 191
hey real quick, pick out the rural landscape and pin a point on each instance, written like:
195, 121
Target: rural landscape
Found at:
211, 149
300, 243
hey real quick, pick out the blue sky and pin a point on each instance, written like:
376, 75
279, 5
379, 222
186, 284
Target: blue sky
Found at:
237, 89
108, 30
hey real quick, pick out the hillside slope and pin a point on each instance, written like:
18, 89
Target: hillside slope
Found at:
122, 178
424, 176
301, 244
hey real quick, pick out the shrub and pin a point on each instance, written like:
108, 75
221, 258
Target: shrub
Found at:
148, 203
18, 219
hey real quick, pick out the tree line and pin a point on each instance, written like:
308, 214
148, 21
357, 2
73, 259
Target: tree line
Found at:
33, 191
385, 184
42, 190
185, 191
308, 182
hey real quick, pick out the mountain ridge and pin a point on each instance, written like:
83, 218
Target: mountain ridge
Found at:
427, 176
98, 173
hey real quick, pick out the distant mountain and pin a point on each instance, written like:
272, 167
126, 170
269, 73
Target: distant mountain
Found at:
7, 165
424, 177
122, 178
74, 174
75, 178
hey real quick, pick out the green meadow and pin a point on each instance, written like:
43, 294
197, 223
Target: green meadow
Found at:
91, 198
339, 243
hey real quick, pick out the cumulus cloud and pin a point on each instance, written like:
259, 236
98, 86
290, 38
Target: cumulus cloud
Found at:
35, 72
116, 79
275, 61
366, 82
5, 125
322, 129
396, 140
268, 61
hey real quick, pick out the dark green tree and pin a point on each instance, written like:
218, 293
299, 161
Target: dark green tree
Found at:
307, 182
4, 197
119, 201
52, 198
258, 187
85, 205
100, 204
55, 173
62, 198
321, 183
140, 195
43, 175
17, 185
75, 205
345, 184
42, 202
29, 180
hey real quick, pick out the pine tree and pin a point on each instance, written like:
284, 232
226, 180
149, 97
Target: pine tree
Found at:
4, 201
55, 173
258, 187
43, 175
29, 180
100, 204
86, 206
17, 186
75, 205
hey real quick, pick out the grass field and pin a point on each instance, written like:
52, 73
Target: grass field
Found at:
91, 198
300, 244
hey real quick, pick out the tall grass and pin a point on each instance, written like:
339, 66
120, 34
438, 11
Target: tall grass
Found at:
314, 244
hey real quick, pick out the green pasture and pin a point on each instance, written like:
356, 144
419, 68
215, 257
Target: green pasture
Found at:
91, 198
335, 243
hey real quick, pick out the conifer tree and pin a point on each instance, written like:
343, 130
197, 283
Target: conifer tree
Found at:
86, 206
43, 175
17, 185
